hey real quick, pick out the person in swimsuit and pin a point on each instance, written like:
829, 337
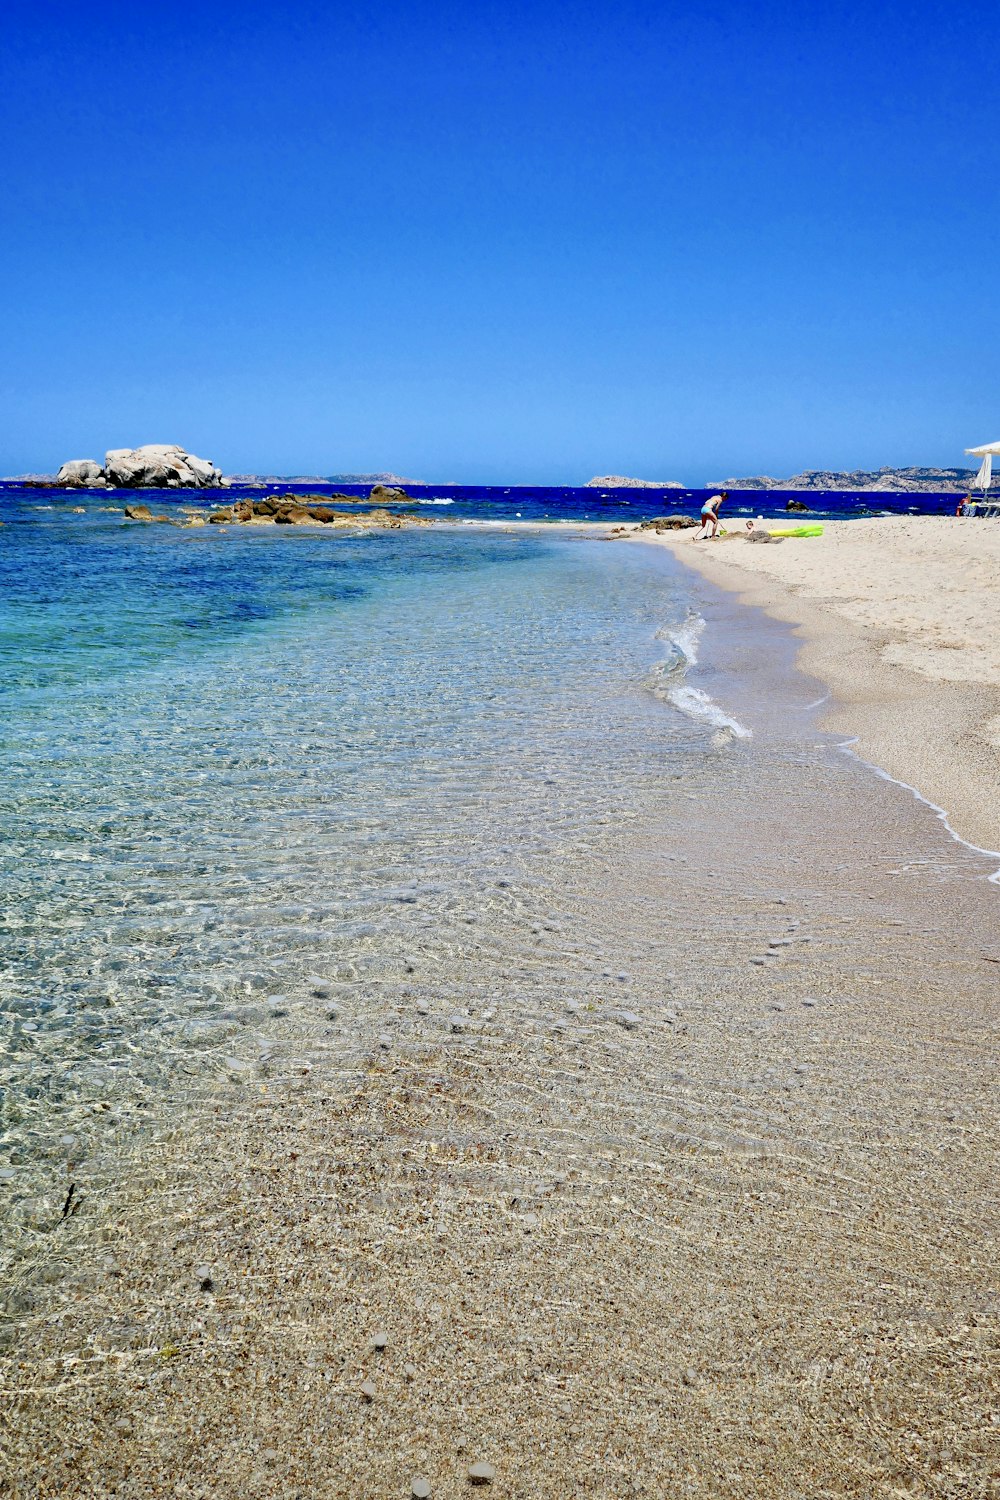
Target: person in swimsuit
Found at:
710, 512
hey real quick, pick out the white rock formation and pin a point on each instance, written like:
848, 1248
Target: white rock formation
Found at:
159, 466
81, 471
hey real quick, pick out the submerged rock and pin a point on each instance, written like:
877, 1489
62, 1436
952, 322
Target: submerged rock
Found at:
142, 513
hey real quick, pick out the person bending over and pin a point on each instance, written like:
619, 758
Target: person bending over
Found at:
710, 513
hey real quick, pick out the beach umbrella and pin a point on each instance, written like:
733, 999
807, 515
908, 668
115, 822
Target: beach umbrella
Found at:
985, 475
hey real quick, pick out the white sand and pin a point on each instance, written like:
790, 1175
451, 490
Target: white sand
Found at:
901, 618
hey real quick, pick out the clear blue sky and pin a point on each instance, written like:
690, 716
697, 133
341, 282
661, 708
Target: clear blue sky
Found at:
515, 242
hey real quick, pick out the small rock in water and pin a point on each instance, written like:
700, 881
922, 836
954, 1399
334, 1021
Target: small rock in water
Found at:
321, 988
385, 1041
756, 959
7, 1174
482, 1473
628, 1019
670, 1016
419, 1487
423, 1009
457, 1024
809, 1003
368, 1390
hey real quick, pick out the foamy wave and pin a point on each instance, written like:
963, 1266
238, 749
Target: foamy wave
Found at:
698, 705
668, 681
684, 637
436, 500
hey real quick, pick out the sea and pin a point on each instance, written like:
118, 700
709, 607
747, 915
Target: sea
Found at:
246, 772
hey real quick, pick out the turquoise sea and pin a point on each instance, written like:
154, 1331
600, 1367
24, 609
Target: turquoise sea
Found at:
243, 767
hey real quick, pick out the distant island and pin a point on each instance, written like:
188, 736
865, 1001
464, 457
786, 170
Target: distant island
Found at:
913, 480
622, 482
254, 479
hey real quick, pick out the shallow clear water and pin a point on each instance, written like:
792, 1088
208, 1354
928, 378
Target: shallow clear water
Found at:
235, 765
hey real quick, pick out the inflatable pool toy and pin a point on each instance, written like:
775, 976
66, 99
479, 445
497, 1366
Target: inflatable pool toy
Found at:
797, 531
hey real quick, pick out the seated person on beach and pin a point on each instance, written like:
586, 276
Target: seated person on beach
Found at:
966, 507
710, 512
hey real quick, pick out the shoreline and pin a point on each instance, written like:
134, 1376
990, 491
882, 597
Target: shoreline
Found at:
915, 693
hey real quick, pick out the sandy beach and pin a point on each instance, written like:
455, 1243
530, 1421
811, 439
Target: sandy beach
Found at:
900, 617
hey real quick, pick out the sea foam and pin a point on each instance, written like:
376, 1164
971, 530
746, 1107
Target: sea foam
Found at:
691, 701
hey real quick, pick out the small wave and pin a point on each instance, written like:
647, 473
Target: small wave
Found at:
668, 683
684, 637
437, 500
849, 748
698, 705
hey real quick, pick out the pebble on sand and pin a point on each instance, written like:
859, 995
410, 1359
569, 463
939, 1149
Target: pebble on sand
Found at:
628, 1019
368, 1390
420, 1487
379, 1340
482, 1474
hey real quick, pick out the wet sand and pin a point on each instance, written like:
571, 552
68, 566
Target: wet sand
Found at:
900, 617
717, 1217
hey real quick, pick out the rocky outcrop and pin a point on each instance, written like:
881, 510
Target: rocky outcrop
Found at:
142, 513
77, 473
797, 505
162, 466
159, 466
622, 482
291, 510
667, 523
389, 495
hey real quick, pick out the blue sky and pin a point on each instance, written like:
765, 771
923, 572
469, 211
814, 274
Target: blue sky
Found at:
518, 243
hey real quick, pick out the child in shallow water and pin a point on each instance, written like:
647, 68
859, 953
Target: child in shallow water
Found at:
710, 512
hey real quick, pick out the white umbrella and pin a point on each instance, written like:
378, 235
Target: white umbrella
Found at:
985, 475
